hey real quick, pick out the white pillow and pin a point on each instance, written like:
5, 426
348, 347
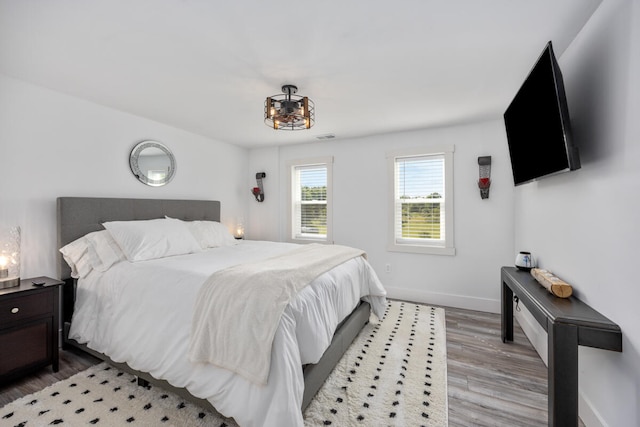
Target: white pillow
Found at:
103, 251
96, 250
75, 254
154, 238
210, 234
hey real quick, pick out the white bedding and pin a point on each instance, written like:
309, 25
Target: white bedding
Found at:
240, 307
140, 313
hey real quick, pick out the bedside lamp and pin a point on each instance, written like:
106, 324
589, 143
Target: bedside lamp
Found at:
9, 257
239, 233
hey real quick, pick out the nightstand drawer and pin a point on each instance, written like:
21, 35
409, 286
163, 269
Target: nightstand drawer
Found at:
26, 346
26, 306
29, 327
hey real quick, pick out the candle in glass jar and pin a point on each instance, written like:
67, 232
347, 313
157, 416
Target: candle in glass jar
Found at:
4, 271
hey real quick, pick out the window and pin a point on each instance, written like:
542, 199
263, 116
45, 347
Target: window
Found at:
421, 209
310, 200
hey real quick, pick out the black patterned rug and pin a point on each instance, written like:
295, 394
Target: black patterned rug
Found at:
394, 374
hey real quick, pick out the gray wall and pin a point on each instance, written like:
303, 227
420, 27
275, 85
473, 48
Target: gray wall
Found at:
583, 225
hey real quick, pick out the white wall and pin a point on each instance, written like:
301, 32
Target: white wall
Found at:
263, 223
55, 145
584, 226
483, 228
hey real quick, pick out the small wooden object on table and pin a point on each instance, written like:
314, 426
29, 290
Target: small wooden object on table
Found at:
29, 322
553, 284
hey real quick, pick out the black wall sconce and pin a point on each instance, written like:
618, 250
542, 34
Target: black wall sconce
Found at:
258, 192
484, 182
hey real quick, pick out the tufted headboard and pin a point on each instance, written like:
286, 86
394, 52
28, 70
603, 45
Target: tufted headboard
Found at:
78, 216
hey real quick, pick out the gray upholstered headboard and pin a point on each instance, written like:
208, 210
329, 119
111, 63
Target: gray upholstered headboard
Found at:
78, 216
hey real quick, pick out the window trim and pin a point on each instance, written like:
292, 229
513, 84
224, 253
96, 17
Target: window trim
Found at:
448, 247
315, 161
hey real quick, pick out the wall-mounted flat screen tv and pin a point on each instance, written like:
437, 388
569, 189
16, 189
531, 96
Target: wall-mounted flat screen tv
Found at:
538, 126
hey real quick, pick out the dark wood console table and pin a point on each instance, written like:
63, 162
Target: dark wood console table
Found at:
569, 323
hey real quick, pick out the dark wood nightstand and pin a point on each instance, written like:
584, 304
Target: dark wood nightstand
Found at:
29, 317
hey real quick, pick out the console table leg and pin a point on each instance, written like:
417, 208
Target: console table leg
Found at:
562, 374
507, 313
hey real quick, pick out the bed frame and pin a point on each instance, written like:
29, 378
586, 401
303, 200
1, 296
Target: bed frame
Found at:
78, 216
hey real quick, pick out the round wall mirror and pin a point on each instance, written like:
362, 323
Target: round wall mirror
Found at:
152, 163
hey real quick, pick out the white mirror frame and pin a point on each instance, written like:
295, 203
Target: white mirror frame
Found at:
134, 162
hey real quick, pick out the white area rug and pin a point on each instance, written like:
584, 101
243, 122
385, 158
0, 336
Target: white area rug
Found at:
394, 374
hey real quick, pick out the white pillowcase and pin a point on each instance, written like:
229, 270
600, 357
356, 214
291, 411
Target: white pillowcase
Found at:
103, 250
210, 234
154, 238
75, 254
96, 250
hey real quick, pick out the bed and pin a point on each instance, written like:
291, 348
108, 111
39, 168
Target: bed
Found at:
291, 387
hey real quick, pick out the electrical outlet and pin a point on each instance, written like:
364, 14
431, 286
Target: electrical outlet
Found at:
387, 268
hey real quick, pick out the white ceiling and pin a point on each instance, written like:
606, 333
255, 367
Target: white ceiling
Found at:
206, 65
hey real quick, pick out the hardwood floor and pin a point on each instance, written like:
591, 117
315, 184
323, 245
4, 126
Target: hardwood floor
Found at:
71, 362
489, 383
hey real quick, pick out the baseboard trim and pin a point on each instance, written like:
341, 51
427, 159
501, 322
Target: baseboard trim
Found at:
538, 338
535, 333
589, 416
448, 300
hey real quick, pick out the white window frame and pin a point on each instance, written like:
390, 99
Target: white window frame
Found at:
424, 246
291, 167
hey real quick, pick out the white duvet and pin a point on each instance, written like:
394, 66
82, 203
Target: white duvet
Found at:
140, 313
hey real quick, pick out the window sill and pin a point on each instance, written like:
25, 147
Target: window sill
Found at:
422, 249
305, 241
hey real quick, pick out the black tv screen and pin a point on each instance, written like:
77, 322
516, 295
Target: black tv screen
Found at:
538, 126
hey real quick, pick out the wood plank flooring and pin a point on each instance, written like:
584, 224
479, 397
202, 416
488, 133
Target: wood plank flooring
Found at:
71, 362
489, 383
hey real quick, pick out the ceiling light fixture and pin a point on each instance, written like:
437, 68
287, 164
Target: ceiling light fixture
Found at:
289, 111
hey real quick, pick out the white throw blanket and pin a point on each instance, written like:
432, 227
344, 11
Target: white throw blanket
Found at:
239, 308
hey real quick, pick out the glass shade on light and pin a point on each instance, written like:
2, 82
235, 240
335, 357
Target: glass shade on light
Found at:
239, 231
9, 257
